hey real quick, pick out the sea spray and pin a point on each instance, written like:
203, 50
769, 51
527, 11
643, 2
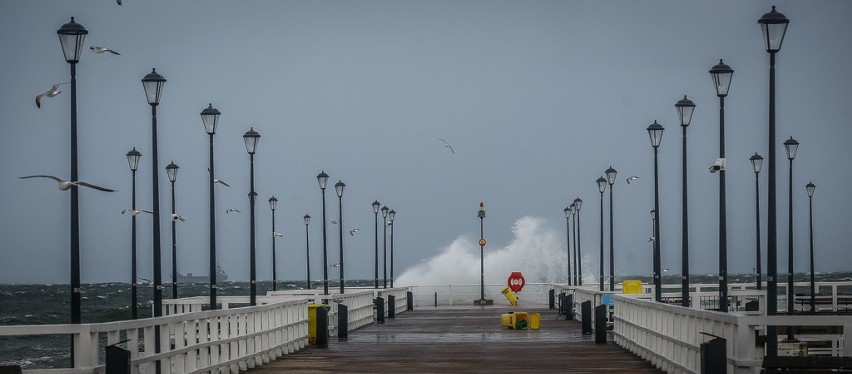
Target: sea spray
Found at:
535, 250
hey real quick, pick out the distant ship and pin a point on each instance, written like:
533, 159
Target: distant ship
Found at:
189, 278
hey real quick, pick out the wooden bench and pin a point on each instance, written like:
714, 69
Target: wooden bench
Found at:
808, 365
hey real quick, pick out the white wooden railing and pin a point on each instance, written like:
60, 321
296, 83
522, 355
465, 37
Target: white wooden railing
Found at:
465, 294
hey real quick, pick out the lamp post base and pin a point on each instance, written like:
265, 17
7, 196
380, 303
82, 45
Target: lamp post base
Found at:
483, 302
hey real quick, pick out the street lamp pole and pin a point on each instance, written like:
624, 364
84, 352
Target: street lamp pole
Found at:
773, 26
601, 188
611, 174
756, 163
133, 157
655, 132
251, 137
391, 217
338, 188
685, 108
574, 240
579, 261
481, 215
153, 84
273, 203
790, 146
722, 74
385, 210
210, 119
810, 187
376, 204
71, 38
567, 212
307, 219
171, 172
322, 179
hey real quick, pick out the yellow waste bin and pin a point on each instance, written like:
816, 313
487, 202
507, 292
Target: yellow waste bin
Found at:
506, 291
631, 286
515, 320
535, 321
312, 321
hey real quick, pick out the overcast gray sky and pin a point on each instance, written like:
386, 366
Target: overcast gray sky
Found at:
537, 98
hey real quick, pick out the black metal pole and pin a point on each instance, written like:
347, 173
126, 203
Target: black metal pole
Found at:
771, 224
253, 268
601, 270
758, 274
158, 286
684, 277
385, 253
811, 225
579, 251
723, 230
574, 246
134, 298
791, 292
481, 260
324, 249
340, 234
611, 245
174, 246
568, 247
391, 256
274, 262
308, 255
658, 282
212, 232
75, 210
376, 266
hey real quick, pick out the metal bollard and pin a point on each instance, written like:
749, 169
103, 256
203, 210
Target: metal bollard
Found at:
342, 322
551, 302
436, 299
117, 359
380, 309
586, 317
713, 355
409, 301
391, 306
322, 327
600, 323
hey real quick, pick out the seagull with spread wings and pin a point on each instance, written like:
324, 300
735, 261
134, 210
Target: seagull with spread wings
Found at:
100, 50
66, 185
135, 212
53, 91
447, 145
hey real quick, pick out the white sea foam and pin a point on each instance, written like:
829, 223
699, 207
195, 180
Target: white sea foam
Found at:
535, 250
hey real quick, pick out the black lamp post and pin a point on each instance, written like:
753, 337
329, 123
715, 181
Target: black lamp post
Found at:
756, 163
481, 215
653, 239
577, 247
376, 204
572, 242
810, 187
338, 188
322, 179
133, 160
210, 118
601, 188
251, 137
391, 217
773, 26
684, 107
567, 212
790, 146
153, 84
307, 219
171, 172
721, 74
71, 37
273, 203
385, 246
655, 132
611, 174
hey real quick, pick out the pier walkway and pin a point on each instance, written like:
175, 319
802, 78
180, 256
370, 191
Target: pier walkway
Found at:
463, 339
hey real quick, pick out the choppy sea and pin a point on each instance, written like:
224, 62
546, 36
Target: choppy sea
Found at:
38, 304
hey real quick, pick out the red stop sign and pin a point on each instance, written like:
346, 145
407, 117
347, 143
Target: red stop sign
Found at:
516, 281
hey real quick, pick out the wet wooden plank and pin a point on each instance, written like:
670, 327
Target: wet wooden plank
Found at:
453, 340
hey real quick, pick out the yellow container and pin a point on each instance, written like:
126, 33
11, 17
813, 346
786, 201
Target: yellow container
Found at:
631, 286
312, 321
535, 321
515, 320
506, 291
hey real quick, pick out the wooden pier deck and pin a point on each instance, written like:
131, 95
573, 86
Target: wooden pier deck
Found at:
463, 339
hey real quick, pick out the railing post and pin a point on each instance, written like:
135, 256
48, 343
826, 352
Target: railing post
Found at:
409, 300
551, 302
391, 306
342, 322
380, 309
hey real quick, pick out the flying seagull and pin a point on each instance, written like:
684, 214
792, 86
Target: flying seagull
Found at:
276, 234
353, 231
135, 212
176, 217
99, 50
447, 145
335, 222
631, 178
217, 180
665, 269
66, 185
334, 265
650, 239
53, 91
229, 210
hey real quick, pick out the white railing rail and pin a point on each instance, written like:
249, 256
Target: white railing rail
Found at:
219, 340
670, 336
465, 294
400, 295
